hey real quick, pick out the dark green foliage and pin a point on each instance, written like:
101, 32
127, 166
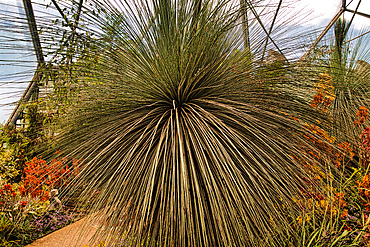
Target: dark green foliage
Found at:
14, 233
18, 145
13, 153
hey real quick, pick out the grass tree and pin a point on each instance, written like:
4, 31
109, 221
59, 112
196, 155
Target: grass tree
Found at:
342, 82
183, 139
350, 82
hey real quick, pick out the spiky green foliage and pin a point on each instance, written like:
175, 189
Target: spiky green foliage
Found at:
351, 82
186, 144
339, 69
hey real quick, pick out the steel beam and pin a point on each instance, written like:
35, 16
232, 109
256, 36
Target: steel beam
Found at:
33, 86
353, 16
61, 13
356, 37
33, 30
271, 27
25, 97
254, 12
336, 17
358, 13
245, 25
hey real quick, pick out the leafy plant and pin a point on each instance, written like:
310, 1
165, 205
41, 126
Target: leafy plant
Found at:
17, 145
15, 227
14, 233
13, 153
50, 221
27, 211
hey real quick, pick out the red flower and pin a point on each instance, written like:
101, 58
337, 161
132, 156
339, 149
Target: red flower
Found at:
23, 203
44, 196
22, 190
7, 187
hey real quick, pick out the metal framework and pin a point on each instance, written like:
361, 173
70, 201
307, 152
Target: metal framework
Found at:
336, 17
344, 8
268, 36
272, 26
33, 88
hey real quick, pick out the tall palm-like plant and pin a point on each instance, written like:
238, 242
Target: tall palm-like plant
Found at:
185, 147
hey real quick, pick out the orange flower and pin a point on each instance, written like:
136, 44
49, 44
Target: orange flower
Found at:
324, 92
345, 150
317, 99
339, 197
344, 213
22, 190
8, 187
38, 172
361, 116
44, 196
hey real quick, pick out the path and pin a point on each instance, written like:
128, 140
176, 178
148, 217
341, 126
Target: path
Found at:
68, 236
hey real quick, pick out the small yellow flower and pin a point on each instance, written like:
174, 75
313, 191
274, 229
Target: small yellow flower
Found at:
308, 218
299, 219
